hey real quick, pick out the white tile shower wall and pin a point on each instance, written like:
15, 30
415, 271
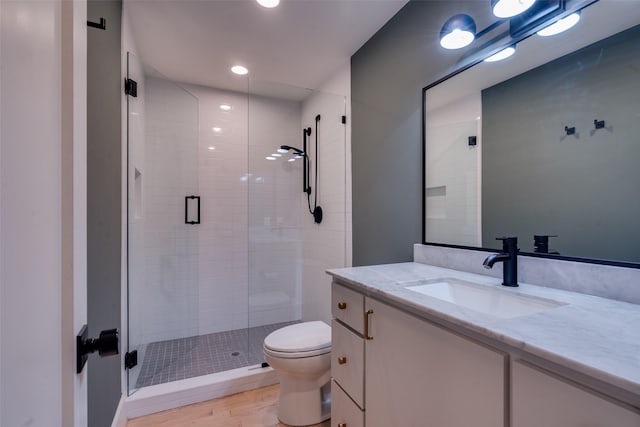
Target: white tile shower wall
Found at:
327, 245
249, 252
275, 188
606, 281
452, 199
223, 235
168, 307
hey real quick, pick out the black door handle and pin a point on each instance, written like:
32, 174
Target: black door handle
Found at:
186, 209
106, 345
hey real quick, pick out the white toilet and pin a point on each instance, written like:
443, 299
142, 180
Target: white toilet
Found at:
301, 355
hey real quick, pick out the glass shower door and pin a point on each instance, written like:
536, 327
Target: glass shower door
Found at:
163, 222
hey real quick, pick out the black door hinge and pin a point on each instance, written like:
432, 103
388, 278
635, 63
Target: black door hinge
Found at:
130, 359
131, 87
344, 120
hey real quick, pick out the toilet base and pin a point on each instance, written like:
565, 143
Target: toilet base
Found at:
302, 405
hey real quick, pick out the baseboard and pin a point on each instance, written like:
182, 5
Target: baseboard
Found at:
120, 418
150, 400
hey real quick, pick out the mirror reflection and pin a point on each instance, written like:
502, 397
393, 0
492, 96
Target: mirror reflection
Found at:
544, 145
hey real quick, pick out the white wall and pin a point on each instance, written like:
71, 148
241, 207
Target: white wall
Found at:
42, 200
327, 245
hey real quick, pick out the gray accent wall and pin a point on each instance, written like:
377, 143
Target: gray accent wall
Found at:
104, 91
585, 187
387, 76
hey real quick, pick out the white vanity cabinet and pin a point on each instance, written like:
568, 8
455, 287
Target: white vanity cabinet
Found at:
418, 374
347, 358
539, 398
412, 373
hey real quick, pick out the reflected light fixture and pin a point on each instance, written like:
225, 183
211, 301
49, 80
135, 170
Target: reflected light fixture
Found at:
509, 8
503, 54
239, 70
216, 129
459, 31
211, 147
225, 107
282, 151
270, 158
268, 3
560, 25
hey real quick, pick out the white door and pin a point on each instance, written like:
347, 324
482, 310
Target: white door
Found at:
42, 211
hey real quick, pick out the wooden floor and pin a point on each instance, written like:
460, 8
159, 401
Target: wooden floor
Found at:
255, 408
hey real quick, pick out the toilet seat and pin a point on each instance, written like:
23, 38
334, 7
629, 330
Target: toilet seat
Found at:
306, 339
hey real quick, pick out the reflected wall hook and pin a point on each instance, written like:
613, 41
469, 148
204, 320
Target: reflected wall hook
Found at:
599, 124
570, 130
102, 25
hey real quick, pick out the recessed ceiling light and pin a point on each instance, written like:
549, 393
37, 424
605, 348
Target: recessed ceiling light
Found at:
268, 3
509, 8
239, 70
225, 107
561, 25
216, 129
503, 54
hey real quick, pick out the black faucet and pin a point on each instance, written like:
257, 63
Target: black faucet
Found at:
509, 256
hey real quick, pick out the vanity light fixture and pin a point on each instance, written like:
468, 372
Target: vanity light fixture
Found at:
459, 31
269, 4
560, 25
503, 54
509, 8
239, 70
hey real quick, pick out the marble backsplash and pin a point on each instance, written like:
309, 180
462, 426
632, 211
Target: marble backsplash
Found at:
618, 283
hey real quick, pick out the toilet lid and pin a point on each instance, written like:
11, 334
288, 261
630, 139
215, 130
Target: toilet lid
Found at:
307, 336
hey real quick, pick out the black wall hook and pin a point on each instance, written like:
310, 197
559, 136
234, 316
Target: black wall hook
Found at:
102, 25
599, 124
570, 130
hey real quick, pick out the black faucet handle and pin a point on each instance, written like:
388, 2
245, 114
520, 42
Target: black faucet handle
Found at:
541, 242
509, 244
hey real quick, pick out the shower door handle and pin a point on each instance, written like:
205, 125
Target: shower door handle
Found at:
186, 210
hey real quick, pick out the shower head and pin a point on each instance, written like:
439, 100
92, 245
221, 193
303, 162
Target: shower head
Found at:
295, 150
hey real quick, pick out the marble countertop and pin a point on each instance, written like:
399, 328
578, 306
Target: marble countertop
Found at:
594, 336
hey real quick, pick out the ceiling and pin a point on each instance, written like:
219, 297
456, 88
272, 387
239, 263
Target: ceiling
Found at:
302, 43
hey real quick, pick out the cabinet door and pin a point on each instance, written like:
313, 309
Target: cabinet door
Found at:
420, 375
540, 399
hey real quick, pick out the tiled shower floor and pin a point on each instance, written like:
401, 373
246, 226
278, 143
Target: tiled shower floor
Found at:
166, 361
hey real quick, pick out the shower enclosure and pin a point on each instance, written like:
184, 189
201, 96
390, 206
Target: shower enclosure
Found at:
216, 221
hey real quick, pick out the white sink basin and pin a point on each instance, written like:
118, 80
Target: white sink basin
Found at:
483, 298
